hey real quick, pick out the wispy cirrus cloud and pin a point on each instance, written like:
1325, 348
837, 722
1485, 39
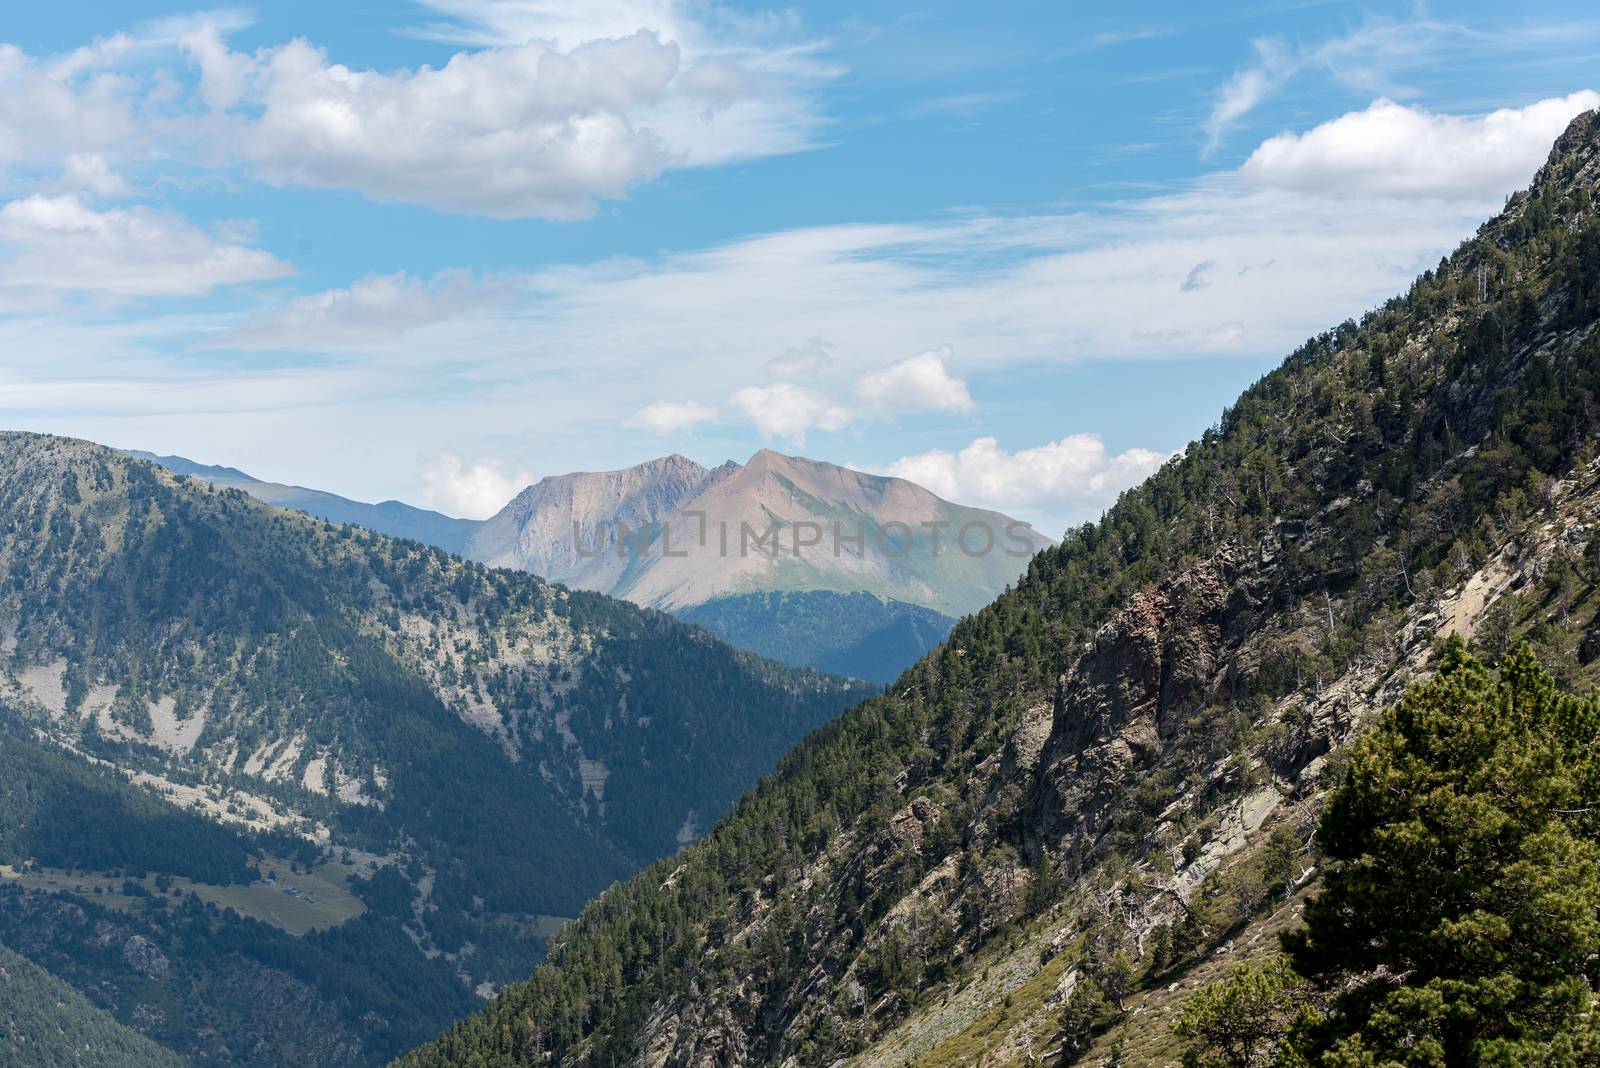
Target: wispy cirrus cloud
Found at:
1377, 57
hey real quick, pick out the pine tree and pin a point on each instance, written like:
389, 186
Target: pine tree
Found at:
1460, 924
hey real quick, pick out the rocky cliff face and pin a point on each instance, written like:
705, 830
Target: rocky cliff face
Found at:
1114, 771
1124, 705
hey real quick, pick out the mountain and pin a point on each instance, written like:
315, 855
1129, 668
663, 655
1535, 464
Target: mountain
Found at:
534, 531
775, 524
810, 563
709, 544
311, 773
394, 518
1101, 791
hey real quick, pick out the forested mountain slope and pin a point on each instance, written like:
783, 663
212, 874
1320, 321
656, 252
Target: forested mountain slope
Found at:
478, 749
44, 1023
1103, 786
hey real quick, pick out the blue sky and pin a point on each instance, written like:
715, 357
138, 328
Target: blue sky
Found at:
1017, 252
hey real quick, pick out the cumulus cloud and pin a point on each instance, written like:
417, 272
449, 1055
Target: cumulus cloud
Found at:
59, 242
785, 410
543, 119
1062, 475
670, 417
506, 132
1393, 149
542, 126
916, 383
473, 490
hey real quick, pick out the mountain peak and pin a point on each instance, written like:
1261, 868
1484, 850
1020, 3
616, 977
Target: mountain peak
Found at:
1574, 160
1581, 139
766, 458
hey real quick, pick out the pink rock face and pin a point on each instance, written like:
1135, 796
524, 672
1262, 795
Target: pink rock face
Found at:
775, 523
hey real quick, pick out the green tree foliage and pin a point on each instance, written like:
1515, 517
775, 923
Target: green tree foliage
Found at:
1245, 1020
62, 813
1460, 920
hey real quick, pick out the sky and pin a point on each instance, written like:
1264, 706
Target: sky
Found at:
1020, 253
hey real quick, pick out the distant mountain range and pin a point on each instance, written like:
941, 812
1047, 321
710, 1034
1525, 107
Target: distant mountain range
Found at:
713, 544
394, 518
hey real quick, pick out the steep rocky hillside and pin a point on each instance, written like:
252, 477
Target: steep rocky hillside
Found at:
477, 749
1112, 773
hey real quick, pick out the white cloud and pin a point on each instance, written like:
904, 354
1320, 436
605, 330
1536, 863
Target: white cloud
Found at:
577, 105
507, 132
111, 97
58, 242
373, 311
472, 490
544, 125
1247, 87
90, 172
785, 410
916, 383
1392, 149
1061, 476
670, 417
